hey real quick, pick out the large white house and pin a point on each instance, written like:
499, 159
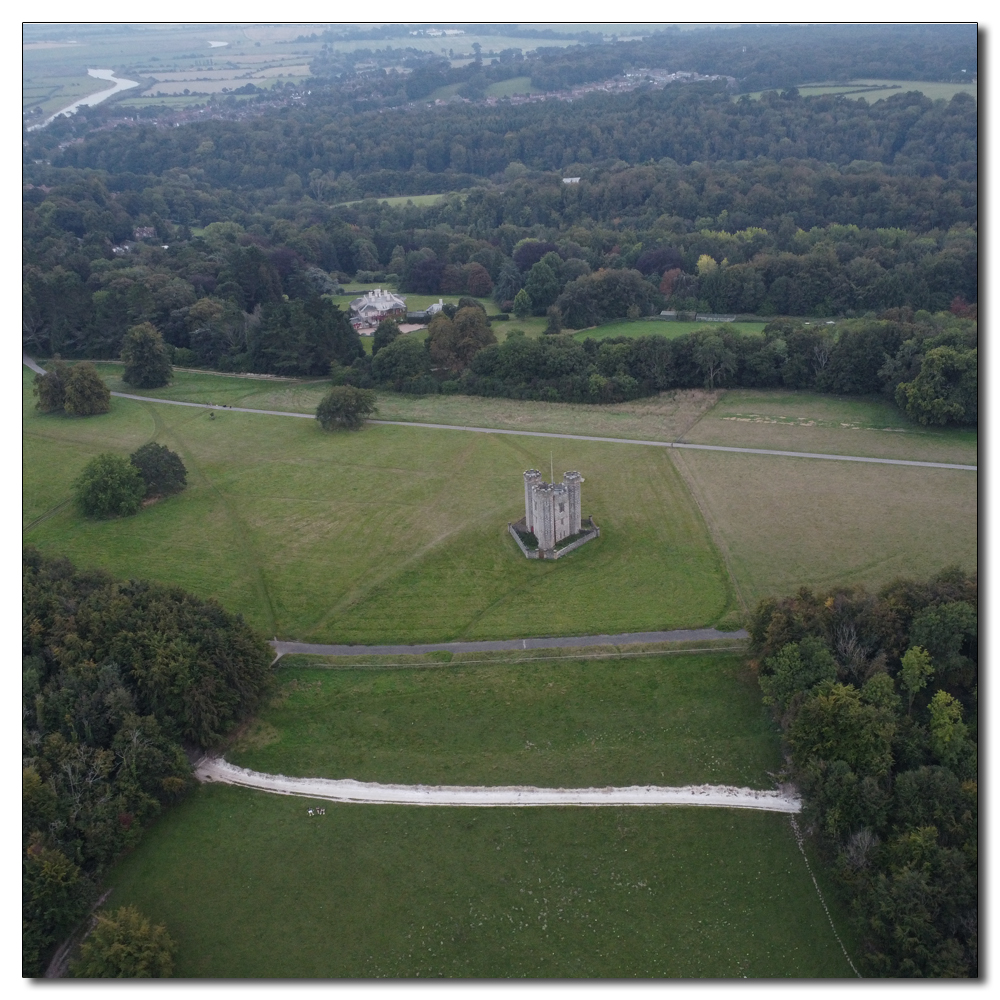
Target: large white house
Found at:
372, 307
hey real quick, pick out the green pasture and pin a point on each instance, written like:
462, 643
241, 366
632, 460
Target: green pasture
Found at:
420, 200
390, 534
662, 328
52, 93
876, 90
399, 534
516, 85
249, 885
680, 719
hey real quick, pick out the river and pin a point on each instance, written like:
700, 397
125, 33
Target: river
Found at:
91, 99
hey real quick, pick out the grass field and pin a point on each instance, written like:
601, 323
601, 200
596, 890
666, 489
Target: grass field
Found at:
665, 720
392, 534
881, 89
515, 85
381, 891
786, 523
837, 425
670, 329
421, 200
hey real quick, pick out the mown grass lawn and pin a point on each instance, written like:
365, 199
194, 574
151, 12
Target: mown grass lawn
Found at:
250, 886
665, 720
392, 534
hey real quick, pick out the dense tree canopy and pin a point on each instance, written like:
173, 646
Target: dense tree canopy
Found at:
125, 945
116, 674
878, 698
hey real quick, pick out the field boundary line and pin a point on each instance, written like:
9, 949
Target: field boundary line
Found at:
522, 659
826, 910
348, 791
721, 545
551, 434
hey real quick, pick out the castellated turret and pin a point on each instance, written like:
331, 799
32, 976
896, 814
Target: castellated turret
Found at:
552, 513
531, 479
552, 510
572, 480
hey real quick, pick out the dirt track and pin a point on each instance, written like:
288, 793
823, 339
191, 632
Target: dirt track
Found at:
217, 769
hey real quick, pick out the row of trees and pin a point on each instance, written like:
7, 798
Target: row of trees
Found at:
877, 698
117, 678
927, 364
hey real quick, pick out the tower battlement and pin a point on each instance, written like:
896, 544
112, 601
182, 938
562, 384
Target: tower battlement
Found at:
553, 511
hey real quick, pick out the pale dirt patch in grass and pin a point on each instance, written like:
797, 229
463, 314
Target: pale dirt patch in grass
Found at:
786, 523
827, 424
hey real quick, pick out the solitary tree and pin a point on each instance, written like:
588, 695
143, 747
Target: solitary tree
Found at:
109, 486
162, 470
345, 406
125, 945
85, 393
144, 356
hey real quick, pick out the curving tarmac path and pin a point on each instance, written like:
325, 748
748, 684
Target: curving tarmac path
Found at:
218, 769
547, 434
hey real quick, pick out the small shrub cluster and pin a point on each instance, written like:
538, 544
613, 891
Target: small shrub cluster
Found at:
113, 486
77, 390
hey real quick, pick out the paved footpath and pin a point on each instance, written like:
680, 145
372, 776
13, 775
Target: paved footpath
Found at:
547, 434
217, 769
502, 645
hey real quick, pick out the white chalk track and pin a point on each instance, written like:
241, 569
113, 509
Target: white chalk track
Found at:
217, 769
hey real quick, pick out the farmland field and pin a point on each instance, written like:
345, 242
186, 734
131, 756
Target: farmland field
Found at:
880, 89
382, 891
667, 720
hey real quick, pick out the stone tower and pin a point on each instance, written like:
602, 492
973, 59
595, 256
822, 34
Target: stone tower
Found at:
572, 481
532, 478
